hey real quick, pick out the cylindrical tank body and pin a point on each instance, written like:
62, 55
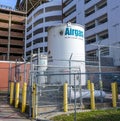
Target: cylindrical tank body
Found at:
40, 65
66, 48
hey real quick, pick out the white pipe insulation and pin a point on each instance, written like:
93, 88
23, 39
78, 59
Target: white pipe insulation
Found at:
85, 93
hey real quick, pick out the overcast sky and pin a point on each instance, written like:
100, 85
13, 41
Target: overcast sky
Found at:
10, 3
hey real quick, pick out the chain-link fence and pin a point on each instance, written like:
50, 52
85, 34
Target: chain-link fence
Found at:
88, 89
18, 74
49, 96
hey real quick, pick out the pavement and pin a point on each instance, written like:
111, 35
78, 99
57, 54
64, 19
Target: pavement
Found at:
9, 113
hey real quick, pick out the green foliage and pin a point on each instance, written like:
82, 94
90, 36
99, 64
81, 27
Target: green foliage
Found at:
99, 115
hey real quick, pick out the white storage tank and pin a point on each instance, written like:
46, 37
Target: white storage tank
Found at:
66, 50
40, 65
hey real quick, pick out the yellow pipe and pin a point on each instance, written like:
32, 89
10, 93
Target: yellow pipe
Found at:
11, 92
88, 84
92, 96
17, 94
24, 94
113, 85
65, 98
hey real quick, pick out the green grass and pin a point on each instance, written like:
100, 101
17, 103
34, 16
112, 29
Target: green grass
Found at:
99, 115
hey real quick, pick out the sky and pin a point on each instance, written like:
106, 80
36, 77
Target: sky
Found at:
10, 3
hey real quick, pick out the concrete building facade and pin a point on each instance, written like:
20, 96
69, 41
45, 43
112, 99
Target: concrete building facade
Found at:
44, 16
101, 20
11, 34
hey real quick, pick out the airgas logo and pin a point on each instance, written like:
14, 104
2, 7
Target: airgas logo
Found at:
73, 32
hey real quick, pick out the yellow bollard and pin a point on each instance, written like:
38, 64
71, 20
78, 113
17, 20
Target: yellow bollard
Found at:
113, 85
116, 87
88, 84
24, 94
17, 94
65, 98
92, 96
34, 101
11, 92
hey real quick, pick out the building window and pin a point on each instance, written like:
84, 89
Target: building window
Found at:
41, 49
86, 1
67, 2
38, 22
91, 55
70, 11
53, 18
103, 35
46, 29
28, 53
90, 25
38, 31
4, 21
104, 51
102, 19
73, 20
29, 36
90, 39
28, 45
89, 11
39, 40
53, 8
45, 49
29, 28
38, 13
35, 51
101, 4
46, 39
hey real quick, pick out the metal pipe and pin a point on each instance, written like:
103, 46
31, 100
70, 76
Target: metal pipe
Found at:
70, 72
100, 76
80, 88
74, 99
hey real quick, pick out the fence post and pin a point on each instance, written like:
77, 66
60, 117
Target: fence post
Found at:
65, 97
17, 94
11, 92
24, 94
113, 85
92, 96
88, 84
